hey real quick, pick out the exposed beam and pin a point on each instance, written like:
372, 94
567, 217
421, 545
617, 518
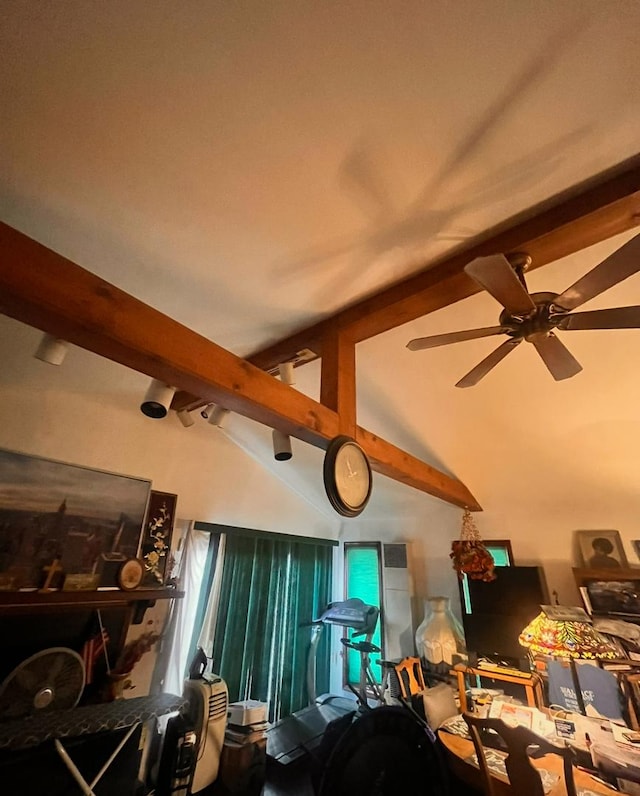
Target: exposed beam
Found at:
402, 466
587, 214
44, 289
338, 379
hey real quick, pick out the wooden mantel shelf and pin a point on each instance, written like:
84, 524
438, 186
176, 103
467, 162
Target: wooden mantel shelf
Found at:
30, 601
584, 575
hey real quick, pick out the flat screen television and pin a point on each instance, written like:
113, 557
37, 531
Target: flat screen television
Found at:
495, 613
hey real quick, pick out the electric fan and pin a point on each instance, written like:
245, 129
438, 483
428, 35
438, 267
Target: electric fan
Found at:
52, 679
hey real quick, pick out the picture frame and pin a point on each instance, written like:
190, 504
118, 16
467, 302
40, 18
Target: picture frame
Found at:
635, 543
87, 520
156, 538
601, 549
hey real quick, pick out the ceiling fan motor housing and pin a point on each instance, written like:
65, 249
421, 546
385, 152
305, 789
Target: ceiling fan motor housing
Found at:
539, 321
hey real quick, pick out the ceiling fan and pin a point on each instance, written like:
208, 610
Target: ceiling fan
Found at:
534, 316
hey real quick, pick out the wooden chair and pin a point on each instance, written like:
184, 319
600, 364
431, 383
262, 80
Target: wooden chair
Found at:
524, 777
410, 677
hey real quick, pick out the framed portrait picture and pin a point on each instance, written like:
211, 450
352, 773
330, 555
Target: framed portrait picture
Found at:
601, 550
81, 520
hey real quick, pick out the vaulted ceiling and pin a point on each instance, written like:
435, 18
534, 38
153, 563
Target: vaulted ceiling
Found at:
252, 169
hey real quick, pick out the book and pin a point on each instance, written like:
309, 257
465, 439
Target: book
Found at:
245, 737
247, 729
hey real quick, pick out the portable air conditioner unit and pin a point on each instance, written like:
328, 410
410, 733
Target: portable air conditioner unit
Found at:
207, 712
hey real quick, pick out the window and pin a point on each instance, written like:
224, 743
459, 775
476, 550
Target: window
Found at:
363, 579
500, 550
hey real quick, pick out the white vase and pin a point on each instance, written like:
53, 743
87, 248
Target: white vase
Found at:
439, 637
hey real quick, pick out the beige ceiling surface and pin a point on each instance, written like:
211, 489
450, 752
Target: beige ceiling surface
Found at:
248, 167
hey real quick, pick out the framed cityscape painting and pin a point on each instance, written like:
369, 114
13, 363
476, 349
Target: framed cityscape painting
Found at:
68, 518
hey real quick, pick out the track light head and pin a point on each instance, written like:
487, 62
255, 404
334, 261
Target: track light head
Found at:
206, 410
185, 418
286, 373
52, 350
217, 415
157, 400
281, 446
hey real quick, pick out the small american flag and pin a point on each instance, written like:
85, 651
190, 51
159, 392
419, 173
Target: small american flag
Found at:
93, 648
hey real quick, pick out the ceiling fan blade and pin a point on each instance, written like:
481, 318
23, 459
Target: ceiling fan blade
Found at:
614, 318
556, 356
499, 279
481, 369
454, 337
618, 266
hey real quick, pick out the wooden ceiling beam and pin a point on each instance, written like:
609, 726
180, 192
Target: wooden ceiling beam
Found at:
44, 289
402, 466
569, 222
338, 379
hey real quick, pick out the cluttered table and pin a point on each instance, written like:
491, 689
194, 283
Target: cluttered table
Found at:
459, 752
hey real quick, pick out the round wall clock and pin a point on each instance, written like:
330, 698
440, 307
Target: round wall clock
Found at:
347, 476
130, 574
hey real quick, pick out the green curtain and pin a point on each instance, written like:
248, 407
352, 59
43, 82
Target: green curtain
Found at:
270, 588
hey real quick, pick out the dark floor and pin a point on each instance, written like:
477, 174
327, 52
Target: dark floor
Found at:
294, 780
291, 780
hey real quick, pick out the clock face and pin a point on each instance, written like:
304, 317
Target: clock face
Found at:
130, 574
347, 476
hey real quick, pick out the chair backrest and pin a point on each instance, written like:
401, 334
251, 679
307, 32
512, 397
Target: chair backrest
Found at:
523, 775
410, 677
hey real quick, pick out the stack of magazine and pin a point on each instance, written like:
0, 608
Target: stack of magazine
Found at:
240, 734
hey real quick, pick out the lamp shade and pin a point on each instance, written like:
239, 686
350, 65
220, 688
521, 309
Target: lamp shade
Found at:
565, 639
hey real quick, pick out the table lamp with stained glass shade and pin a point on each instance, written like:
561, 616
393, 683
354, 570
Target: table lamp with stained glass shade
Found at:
566, 632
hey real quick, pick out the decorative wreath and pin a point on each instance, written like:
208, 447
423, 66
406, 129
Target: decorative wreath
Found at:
469, 554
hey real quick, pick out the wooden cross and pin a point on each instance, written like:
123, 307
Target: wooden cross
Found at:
51, 569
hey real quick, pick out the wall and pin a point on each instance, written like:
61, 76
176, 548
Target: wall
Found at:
86, 412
